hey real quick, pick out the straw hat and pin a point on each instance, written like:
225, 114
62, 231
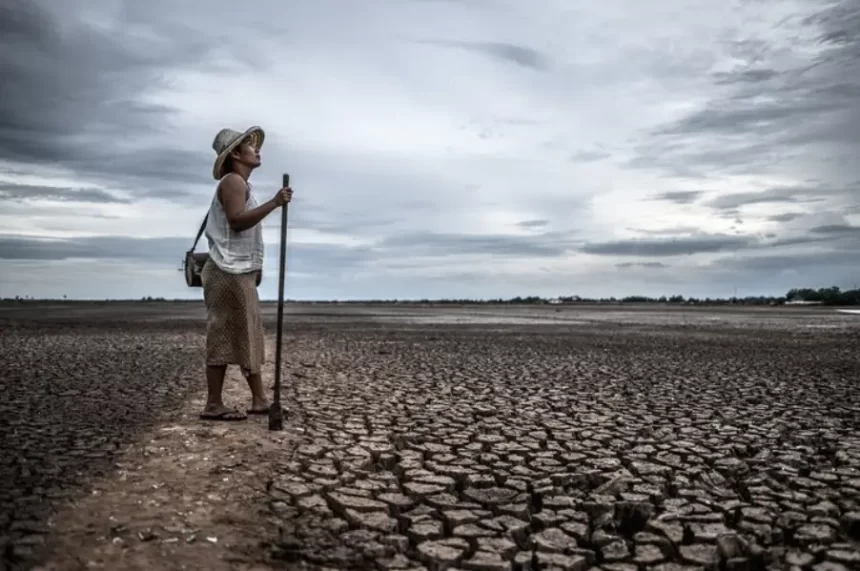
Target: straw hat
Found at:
226, 142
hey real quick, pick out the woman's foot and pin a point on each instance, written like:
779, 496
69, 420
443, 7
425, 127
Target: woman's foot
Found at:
259, 407
221, 412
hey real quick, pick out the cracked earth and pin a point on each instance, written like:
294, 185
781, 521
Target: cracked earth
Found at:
480, 439
572, 448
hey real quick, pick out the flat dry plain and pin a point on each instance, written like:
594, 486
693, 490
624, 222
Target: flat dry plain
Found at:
478, 438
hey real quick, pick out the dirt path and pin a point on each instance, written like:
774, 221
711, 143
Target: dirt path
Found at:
189, 495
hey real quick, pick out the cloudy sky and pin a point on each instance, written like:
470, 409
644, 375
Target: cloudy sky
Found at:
437, 148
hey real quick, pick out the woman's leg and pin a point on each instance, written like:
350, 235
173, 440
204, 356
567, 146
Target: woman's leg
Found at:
215, 408
215, 385
256, 354
259, 400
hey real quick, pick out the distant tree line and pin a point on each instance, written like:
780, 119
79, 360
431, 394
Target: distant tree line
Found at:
826, 296
823, 296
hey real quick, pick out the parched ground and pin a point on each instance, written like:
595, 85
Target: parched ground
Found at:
625, 443
104, 463
73, 394
477, 438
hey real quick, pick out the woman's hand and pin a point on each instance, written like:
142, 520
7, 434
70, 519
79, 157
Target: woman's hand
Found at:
283, 196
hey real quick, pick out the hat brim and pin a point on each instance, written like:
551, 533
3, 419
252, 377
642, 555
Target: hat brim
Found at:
258, 136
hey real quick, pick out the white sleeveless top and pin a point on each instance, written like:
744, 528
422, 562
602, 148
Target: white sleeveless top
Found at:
234, 252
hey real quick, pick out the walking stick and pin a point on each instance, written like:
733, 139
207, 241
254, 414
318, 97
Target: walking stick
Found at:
276, 412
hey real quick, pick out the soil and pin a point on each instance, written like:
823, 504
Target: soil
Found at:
436, 438
187, 495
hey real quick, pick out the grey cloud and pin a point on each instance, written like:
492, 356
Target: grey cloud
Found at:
589, 156
549, 244
402, 246
304, 258
17, 192
649, 265
841, 25
680, 196
672, 231
345, 225
692, 158
101, 247
750, 50
840, 263
519, 121
530, 224
837, 230
785, 217
660, 247
744, 76
770, 114
826, 239
506, 52
748, 115
71, 93
798, 240
735, 200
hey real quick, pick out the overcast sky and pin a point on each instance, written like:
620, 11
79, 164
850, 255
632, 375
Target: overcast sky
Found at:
437, 148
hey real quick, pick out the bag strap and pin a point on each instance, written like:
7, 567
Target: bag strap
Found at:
205, 218
199, 232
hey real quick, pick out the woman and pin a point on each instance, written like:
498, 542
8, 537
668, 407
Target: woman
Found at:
234, 326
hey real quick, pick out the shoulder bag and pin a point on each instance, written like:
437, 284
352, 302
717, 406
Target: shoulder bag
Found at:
193, 265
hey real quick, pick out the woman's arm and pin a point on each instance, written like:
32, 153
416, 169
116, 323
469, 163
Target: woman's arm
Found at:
233, 191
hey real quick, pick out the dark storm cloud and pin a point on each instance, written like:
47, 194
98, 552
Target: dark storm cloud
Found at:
767, 115
660, 247
17, 192
505, 52
71, 96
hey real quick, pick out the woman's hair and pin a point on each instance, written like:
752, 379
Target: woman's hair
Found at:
227, 166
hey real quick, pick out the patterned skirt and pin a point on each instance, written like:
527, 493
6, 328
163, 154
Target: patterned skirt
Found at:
234, 326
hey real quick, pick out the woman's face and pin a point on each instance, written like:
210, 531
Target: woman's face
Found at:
246, 153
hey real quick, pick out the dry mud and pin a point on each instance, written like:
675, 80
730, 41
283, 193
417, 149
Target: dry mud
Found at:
73, 395
485, 439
